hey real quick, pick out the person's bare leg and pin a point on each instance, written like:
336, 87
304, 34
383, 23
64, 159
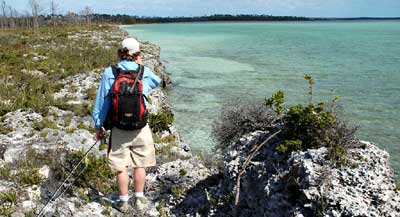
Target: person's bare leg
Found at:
123, 182
139, 179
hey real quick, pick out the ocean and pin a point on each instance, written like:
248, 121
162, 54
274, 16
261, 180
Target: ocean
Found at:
212, 63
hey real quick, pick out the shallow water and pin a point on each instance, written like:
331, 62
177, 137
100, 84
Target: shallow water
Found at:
213, 62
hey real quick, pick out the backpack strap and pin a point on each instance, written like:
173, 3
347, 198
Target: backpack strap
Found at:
140, 71
115, 70
140, 75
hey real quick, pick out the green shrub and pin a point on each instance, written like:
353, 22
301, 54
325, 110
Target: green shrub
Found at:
309, 125
5, 172
45, 123
161, 208
91, 93
8, 200
83, 126
44, 133
103, 146
183, 171
160, 121
178, 191
167, 139
67, 122
288, 146
93, 173
5, 130
398, 186
302, 126
276, 101
314, 126
28, 176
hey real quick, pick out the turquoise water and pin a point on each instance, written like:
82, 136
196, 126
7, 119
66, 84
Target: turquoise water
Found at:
211, 63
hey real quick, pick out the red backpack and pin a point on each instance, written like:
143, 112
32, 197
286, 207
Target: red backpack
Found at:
128, 111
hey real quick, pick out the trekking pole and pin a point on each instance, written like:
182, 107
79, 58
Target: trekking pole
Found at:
65, 181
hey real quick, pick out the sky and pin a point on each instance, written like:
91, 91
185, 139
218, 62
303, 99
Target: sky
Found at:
172, 8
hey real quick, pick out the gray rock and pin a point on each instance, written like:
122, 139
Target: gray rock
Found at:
306, 184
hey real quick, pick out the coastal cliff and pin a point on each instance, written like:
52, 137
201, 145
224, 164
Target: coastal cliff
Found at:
36, 150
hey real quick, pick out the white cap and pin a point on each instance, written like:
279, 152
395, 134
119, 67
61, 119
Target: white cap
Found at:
131, 44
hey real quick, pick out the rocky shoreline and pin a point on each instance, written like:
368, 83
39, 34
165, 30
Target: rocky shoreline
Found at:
181, 184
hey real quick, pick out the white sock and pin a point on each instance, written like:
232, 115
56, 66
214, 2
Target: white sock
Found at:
124, 198
139, 194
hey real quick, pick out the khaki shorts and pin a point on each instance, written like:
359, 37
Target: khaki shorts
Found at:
131, 148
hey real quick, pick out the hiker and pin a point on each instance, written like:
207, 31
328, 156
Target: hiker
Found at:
131, 143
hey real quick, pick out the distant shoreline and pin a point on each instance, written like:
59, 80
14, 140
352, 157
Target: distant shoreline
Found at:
129, 20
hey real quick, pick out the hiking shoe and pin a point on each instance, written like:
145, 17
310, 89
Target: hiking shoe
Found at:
123, 206
141, 203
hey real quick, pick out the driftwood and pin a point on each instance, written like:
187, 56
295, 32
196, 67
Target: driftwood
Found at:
253, 153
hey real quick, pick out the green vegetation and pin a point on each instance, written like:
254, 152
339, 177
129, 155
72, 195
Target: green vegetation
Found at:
91, 93
316, 125
28, 176
103, 146
276, 102
89, 128
93, 173
160, 121
398, 186
26, 169
183, 171
161, 208
168, 139
7, 202
67, 122
44, 133
54, 54
303, 126
178, 191
5, 130
45, 123
165, 149
5, 172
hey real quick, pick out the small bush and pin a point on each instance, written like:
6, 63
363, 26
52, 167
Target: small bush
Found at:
44, 133
178, 191
91, 93
183, 171
45, 123
303, 126
238, 118
93, 172
398, 186
7, 202
83, 126
314, 126
5, 172
67, 122
162, 208
5, 130
160, 121
28, 176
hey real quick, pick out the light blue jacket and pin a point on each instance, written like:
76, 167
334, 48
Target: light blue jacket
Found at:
104, 96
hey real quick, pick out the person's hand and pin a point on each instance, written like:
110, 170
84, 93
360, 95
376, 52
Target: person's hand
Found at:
99, 133
139, 60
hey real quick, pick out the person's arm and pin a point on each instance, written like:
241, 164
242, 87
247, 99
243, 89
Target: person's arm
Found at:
151, 79
102, 103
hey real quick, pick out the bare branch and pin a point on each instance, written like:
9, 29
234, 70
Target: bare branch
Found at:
253, 153
53, 8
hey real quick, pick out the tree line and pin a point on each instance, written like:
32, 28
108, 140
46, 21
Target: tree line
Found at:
34, 16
